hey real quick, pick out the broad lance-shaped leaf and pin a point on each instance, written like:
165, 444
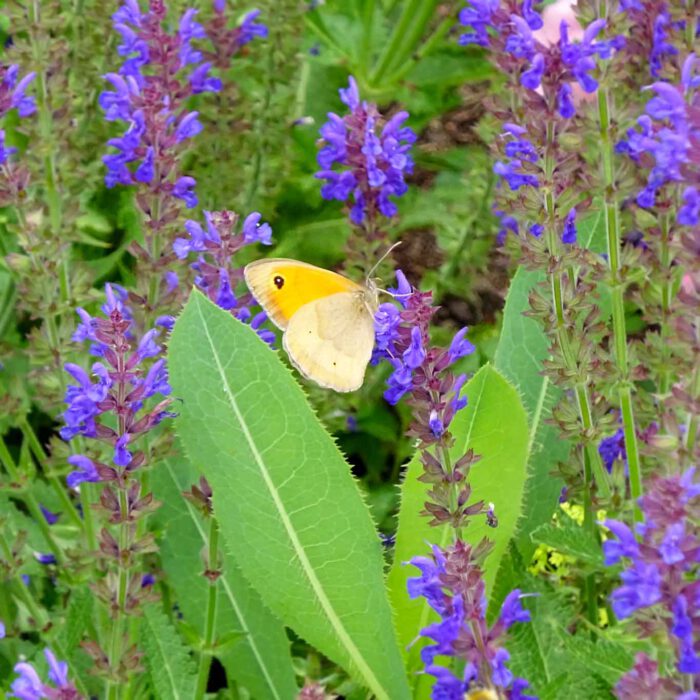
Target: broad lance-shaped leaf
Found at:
289, 509
260, 660
494, 425
167, 659
519, 356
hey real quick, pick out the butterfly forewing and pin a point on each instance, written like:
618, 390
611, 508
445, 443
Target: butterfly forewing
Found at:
283, 286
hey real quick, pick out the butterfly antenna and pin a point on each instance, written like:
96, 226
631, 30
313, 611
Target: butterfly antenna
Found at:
382, 259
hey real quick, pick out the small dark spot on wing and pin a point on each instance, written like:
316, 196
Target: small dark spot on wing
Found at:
278, 281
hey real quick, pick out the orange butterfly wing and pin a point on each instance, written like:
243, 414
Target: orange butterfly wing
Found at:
282, 286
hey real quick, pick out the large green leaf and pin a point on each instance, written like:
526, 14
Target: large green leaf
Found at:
260, 661
494, 425
521, 351
288, 507
167, 659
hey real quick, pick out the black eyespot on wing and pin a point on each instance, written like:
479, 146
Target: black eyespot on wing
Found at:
278, 281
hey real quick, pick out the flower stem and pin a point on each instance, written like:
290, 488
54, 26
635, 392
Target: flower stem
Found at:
210, 621
582, 394
612, 225
47, 133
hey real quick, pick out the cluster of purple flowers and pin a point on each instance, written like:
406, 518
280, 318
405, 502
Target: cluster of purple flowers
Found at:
373, 162
520, 152
662, 571
652, 29
452, 584
152, 102
123, 381
29, 685
522, 169
216, 243
13, 95
402, 338
551, 70
228, 41
667, 141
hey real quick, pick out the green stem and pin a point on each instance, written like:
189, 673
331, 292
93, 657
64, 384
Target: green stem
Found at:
47, 134
31, 503
210, 621
666, 298
122, 584
612, 225
42, 458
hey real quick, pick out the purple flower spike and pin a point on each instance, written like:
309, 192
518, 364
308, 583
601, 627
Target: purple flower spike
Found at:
122, 382
661, 575
452, 584
373, 162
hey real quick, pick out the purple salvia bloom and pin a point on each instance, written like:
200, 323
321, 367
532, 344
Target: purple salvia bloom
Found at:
532, 77
250, 29
569, 234
521, 43
189, 127
25, 105
29, 686
51, 518
201, 81
184, 189
479, 17
86, 471
373, 163
414, 355
661, 48
188, 30
460, 346
512, 610
565, 103
624, 546
255, 232
689, 212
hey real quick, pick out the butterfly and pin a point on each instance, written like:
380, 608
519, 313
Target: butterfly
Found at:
327, 319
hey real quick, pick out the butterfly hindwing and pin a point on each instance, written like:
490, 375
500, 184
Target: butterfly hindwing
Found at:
330, 340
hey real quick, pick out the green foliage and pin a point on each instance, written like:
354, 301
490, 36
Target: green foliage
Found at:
568, 537
520, 353
167, 659
246, 425
260, 660
494, 425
